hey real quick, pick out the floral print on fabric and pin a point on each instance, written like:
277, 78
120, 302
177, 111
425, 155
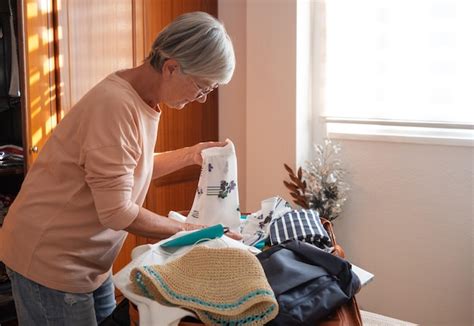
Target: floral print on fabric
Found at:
217, 196
256, 227
223, 190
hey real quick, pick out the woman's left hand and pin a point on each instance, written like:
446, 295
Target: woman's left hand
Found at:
231, 234
197, 149
234, 235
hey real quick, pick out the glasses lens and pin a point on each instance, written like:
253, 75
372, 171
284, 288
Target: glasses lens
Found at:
203, 91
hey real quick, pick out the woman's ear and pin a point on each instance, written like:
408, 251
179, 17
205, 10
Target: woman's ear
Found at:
170, 67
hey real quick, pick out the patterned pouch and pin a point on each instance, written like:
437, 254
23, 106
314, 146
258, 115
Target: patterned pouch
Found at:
304, 225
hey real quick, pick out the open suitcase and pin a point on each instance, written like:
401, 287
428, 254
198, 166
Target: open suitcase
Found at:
346, 315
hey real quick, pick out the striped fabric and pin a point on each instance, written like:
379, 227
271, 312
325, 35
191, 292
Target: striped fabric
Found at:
304, 225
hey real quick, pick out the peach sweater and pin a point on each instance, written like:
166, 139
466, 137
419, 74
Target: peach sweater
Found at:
65, 228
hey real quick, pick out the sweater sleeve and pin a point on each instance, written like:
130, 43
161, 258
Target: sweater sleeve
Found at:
110, 153
109, 175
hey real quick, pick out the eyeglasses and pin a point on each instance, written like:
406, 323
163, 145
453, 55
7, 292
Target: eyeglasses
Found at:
203, 91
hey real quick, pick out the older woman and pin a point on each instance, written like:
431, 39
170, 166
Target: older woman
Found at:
87, 187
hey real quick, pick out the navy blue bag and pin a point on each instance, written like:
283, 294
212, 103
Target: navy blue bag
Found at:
309, 283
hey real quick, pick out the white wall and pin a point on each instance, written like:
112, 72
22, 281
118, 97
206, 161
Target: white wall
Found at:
271, 97
266, 129
233, 97
409, 218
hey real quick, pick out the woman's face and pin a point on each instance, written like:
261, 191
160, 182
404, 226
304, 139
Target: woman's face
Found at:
182, 89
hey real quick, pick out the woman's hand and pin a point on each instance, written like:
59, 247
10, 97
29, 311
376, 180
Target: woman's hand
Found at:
197, 149
234, 235
230, 234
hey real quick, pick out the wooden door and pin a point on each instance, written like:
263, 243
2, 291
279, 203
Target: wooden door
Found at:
93, 39
67, 46
197, 122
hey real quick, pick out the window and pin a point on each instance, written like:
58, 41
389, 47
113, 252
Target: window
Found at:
400, 68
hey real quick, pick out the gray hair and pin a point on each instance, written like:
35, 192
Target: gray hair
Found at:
201, 45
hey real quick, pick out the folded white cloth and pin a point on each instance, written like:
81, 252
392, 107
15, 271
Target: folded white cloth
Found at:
151, 312
177, 216
217, 196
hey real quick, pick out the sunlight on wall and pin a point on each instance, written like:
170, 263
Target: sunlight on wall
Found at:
45, 6
50, 124
48, 66
47, 35
37, 136
34, 77
33, 43
60, 32
40, 64
32, 10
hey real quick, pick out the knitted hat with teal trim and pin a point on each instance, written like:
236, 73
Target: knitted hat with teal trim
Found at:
223, 286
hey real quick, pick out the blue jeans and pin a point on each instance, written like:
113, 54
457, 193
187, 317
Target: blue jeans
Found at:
39, 305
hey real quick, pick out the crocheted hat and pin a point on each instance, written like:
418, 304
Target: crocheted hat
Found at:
221, 285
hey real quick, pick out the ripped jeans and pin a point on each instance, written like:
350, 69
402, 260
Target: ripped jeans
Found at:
39, 305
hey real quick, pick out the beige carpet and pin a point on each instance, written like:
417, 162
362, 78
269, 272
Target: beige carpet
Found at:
371, 319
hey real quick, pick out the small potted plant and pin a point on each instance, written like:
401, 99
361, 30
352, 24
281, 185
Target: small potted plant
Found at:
320, 186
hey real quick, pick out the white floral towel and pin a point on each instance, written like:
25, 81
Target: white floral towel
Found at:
217, 196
